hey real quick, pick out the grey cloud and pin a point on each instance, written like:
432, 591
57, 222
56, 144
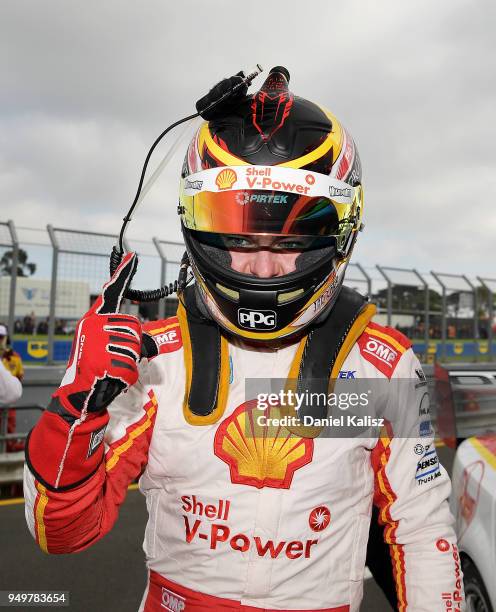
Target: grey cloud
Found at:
86, 87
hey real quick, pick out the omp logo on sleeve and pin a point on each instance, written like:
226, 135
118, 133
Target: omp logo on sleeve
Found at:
383, 347
167, 338
166, 334
256, 319
381, 351
172, 601
95, 440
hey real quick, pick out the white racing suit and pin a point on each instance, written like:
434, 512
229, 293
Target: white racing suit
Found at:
244, 523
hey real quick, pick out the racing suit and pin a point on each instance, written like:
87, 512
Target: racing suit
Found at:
236, 523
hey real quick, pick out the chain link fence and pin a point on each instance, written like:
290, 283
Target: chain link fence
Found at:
49, 278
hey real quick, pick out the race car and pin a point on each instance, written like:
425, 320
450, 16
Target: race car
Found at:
473, 503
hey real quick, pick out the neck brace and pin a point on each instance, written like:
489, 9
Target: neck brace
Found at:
318, 359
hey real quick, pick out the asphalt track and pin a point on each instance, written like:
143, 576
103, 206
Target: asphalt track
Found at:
108, 577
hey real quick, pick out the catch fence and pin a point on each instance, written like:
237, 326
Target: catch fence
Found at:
447, 316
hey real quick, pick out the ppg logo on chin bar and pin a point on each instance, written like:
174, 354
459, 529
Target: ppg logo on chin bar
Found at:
256, 319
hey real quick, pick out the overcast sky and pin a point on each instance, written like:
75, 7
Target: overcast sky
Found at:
85, 87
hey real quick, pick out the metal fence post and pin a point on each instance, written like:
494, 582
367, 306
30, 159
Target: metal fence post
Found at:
13, 275
53, 293
443, 315
389, 296
163, 275
476, 307
426, 308
368, 280
490, 333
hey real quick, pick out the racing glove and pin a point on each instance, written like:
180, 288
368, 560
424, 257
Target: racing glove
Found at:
105, 350
222, 88
102, 364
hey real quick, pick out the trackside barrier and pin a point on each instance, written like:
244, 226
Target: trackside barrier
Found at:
12, 463
447, 316
4, 435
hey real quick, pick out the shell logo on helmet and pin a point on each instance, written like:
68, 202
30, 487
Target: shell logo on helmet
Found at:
226, 179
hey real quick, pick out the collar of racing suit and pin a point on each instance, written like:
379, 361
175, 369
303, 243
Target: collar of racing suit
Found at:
316, 364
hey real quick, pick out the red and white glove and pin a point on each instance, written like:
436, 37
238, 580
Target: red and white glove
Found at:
65, 448
105, 351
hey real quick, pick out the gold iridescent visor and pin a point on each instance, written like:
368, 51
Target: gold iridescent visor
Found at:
268, 200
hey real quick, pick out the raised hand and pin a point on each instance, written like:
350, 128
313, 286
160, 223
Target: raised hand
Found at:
105, 351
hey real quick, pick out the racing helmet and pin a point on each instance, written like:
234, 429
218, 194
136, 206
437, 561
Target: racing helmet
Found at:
277, 165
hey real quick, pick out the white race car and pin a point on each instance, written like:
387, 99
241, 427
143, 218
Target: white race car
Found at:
473, 503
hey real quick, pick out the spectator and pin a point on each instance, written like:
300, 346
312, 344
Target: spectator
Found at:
18, 326
12, 362
42, 327
28, 324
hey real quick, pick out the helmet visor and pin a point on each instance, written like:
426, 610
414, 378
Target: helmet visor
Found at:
285, 201
262, 212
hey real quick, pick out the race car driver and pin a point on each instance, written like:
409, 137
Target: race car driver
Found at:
243, 517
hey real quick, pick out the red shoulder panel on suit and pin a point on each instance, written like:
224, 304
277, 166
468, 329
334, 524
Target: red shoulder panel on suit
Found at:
383, 347
166, 333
